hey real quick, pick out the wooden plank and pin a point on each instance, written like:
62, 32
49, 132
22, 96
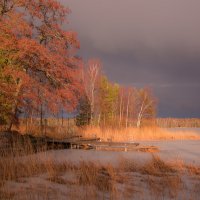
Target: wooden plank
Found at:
127, 148
76, 142
80, 140
106, 143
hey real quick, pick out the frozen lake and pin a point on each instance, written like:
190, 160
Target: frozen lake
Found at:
186, 150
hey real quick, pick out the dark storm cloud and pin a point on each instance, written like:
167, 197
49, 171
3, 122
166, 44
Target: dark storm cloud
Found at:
145, 42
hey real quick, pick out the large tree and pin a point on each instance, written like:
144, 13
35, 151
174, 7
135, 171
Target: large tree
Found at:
38, 57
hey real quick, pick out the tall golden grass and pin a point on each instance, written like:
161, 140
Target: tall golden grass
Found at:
178, 122
158, 178
112, 134
131, 134
56, 131
55, 128
58, 128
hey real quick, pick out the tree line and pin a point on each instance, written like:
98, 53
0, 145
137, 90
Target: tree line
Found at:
109, 104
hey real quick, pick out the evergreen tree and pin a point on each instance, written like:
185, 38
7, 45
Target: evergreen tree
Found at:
84, 116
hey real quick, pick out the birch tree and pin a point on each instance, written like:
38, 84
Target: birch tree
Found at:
146, 105
90, 76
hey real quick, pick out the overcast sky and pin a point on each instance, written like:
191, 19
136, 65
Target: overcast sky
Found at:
152, 43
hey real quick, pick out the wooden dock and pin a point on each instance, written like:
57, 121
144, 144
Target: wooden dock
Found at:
78, 142
96, 144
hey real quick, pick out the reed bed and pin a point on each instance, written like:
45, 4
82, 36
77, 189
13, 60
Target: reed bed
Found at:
145, 133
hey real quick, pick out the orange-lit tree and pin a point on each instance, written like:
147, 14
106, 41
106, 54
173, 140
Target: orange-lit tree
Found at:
38, 59
91, 75
145, 104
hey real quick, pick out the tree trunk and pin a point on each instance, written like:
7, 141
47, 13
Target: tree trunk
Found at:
13, 117
120, 110
138, 121
92, 104
41, 119
14, 107
122, 113
99, 119
140, 115
127, 110
62, 118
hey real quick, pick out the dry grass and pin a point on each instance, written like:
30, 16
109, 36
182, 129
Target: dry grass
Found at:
178, 122
157, 167
58, 132
6, 195
159, 178
93, 180
163, 179
166, 186
102, 177
193, 170
58, 128
55, 128
130, 134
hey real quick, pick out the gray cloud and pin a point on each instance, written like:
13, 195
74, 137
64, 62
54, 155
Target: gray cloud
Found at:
116, 25
140, 42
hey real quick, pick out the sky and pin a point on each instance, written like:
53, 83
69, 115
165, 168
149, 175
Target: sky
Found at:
154, 43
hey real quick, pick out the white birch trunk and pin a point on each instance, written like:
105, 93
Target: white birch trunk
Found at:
127, 110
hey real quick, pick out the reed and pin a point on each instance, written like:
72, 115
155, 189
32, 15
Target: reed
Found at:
131, 134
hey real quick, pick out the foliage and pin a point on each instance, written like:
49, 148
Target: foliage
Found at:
40, 72
84, 112
108, 94
115, 105
145, 105
91, 76
38, 59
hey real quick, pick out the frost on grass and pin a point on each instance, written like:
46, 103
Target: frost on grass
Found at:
46, 179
